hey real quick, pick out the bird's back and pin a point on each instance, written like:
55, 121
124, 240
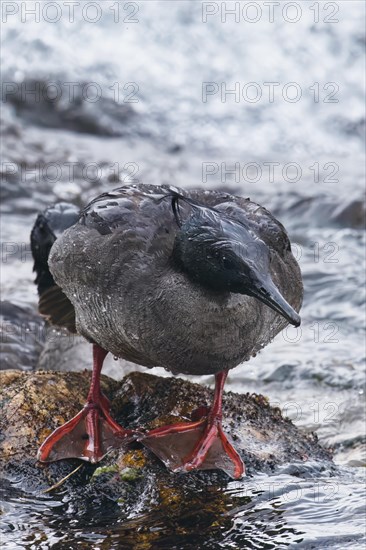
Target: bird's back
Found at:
115, 266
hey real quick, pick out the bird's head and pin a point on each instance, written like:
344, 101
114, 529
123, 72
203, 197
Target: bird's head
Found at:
225, 255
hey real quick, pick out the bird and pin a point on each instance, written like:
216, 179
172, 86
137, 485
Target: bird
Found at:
194, 281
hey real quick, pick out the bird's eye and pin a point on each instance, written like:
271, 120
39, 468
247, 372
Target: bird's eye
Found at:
228, 263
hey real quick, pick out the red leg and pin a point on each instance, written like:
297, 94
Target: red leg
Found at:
92, 432
197, 445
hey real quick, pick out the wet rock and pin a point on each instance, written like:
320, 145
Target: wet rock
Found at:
351, 128
21, 337
352, 214
323, 210
130, 496
35, 404
84, 110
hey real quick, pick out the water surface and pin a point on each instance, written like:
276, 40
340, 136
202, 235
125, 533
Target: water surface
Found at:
174, 134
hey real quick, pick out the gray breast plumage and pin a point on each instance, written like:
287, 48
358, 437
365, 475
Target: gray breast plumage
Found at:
115, 266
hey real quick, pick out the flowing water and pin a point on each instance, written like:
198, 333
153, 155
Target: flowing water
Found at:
266, 102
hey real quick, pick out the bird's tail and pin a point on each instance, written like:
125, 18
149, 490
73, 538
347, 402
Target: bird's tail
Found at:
51, 223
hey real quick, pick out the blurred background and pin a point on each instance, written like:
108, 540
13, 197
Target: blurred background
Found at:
262, 99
